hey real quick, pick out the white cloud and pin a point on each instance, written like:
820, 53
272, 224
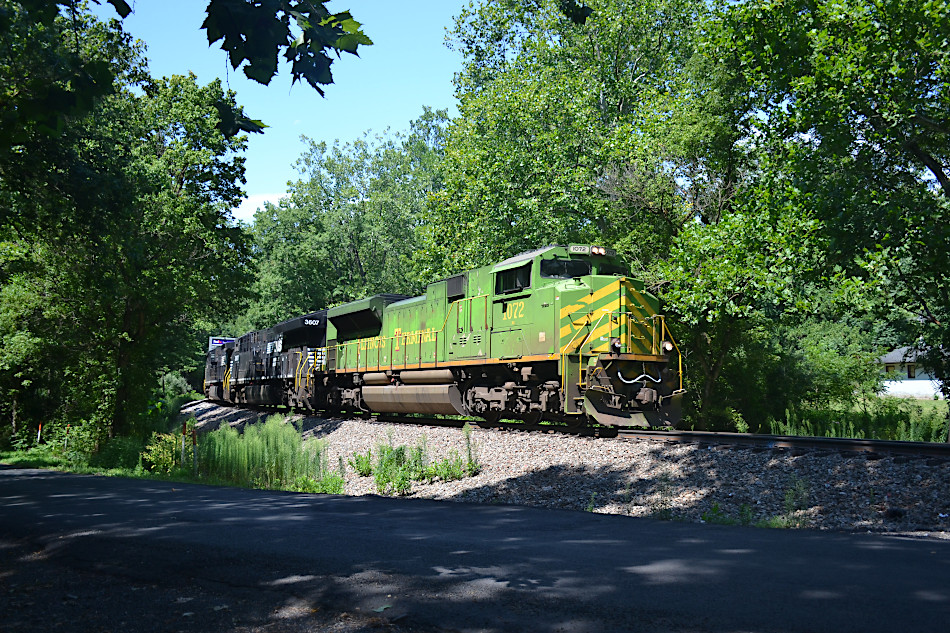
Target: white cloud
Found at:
252, 203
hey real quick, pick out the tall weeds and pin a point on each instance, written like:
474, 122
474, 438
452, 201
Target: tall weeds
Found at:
271, 456
880, 419
396, 467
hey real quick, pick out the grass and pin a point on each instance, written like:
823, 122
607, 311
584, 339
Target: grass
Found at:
267, 456
396, 467
43, 456
878, 418
270, 456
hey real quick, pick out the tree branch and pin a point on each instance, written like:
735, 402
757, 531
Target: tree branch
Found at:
935, 168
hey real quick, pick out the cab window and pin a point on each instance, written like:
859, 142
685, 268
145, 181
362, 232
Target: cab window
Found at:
513, 279
611, 269
564, 268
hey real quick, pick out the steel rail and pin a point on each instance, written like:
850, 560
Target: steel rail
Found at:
793, 442
707, 438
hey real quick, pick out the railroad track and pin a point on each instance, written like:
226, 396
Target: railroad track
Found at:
704, 438
770, 442
789, 442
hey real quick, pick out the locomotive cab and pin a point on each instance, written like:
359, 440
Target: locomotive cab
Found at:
217, 367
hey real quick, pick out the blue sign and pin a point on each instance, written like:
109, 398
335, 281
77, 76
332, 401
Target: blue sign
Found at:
214, 341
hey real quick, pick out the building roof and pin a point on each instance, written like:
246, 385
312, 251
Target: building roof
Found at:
900, 355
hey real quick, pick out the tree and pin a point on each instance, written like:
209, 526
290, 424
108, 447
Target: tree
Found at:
46, 81
142, 246
570, 132
730, 284
856, 97
349, 227
255, 32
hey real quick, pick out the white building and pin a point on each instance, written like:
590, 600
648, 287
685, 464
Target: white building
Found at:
905, 378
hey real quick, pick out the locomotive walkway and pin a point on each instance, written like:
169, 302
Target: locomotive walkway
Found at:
176, 557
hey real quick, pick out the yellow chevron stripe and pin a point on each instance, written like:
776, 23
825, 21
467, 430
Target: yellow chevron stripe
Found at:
589, 299
568, 310
638, 307
643, 301
587, 319
639, 331
613, 307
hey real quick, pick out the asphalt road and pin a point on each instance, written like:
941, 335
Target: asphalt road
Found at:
89, 553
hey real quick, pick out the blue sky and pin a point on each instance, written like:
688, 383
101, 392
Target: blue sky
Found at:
407, 67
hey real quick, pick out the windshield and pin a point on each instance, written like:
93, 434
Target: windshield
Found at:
564, 268
611, 269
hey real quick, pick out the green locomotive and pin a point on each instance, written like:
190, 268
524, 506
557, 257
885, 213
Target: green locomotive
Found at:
559, 333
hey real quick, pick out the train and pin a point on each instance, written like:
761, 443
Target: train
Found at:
558, 334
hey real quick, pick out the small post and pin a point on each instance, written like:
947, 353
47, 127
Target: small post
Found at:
184, 434
194, 450
66, 439
39, 433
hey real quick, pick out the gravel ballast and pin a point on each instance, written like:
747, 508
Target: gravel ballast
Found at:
812, 489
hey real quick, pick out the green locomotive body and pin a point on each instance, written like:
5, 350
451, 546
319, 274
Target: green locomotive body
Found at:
558, 333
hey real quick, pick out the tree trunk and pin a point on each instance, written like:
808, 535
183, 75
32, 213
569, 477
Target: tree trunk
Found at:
133, 326
713, 371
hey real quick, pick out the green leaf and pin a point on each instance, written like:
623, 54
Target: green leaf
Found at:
121, 7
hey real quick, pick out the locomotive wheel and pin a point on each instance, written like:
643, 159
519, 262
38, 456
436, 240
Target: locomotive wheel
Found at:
489, 419
532, 420
576, 422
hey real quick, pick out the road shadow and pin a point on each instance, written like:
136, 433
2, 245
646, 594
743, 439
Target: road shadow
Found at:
179, 557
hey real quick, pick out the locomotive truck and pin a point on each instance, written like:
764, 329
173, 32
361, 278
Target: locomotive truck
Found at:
560, 333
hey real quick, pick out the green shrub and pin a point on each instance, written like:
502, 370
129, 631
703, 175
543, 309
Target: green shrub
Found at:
392, 472
451, 468
79, 442
396, 467
332, 484
363, 463
797, 495
161, 415
162, 453
118, 452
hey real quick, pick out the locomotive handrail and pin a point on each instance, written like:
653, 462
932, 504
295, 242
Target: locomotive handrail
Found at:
457, 304
666, 335
300, 358
565, 352
679, 353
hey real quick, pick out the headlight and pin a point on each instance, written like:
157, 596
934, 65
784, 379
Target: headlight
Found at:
668, 346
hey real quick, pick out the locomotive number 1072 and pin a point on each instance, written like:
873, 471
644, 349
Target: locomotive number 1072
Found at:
513, 310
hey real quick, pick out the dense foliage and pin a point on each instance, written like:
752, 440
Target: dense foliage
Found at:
119, 239
349, 226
